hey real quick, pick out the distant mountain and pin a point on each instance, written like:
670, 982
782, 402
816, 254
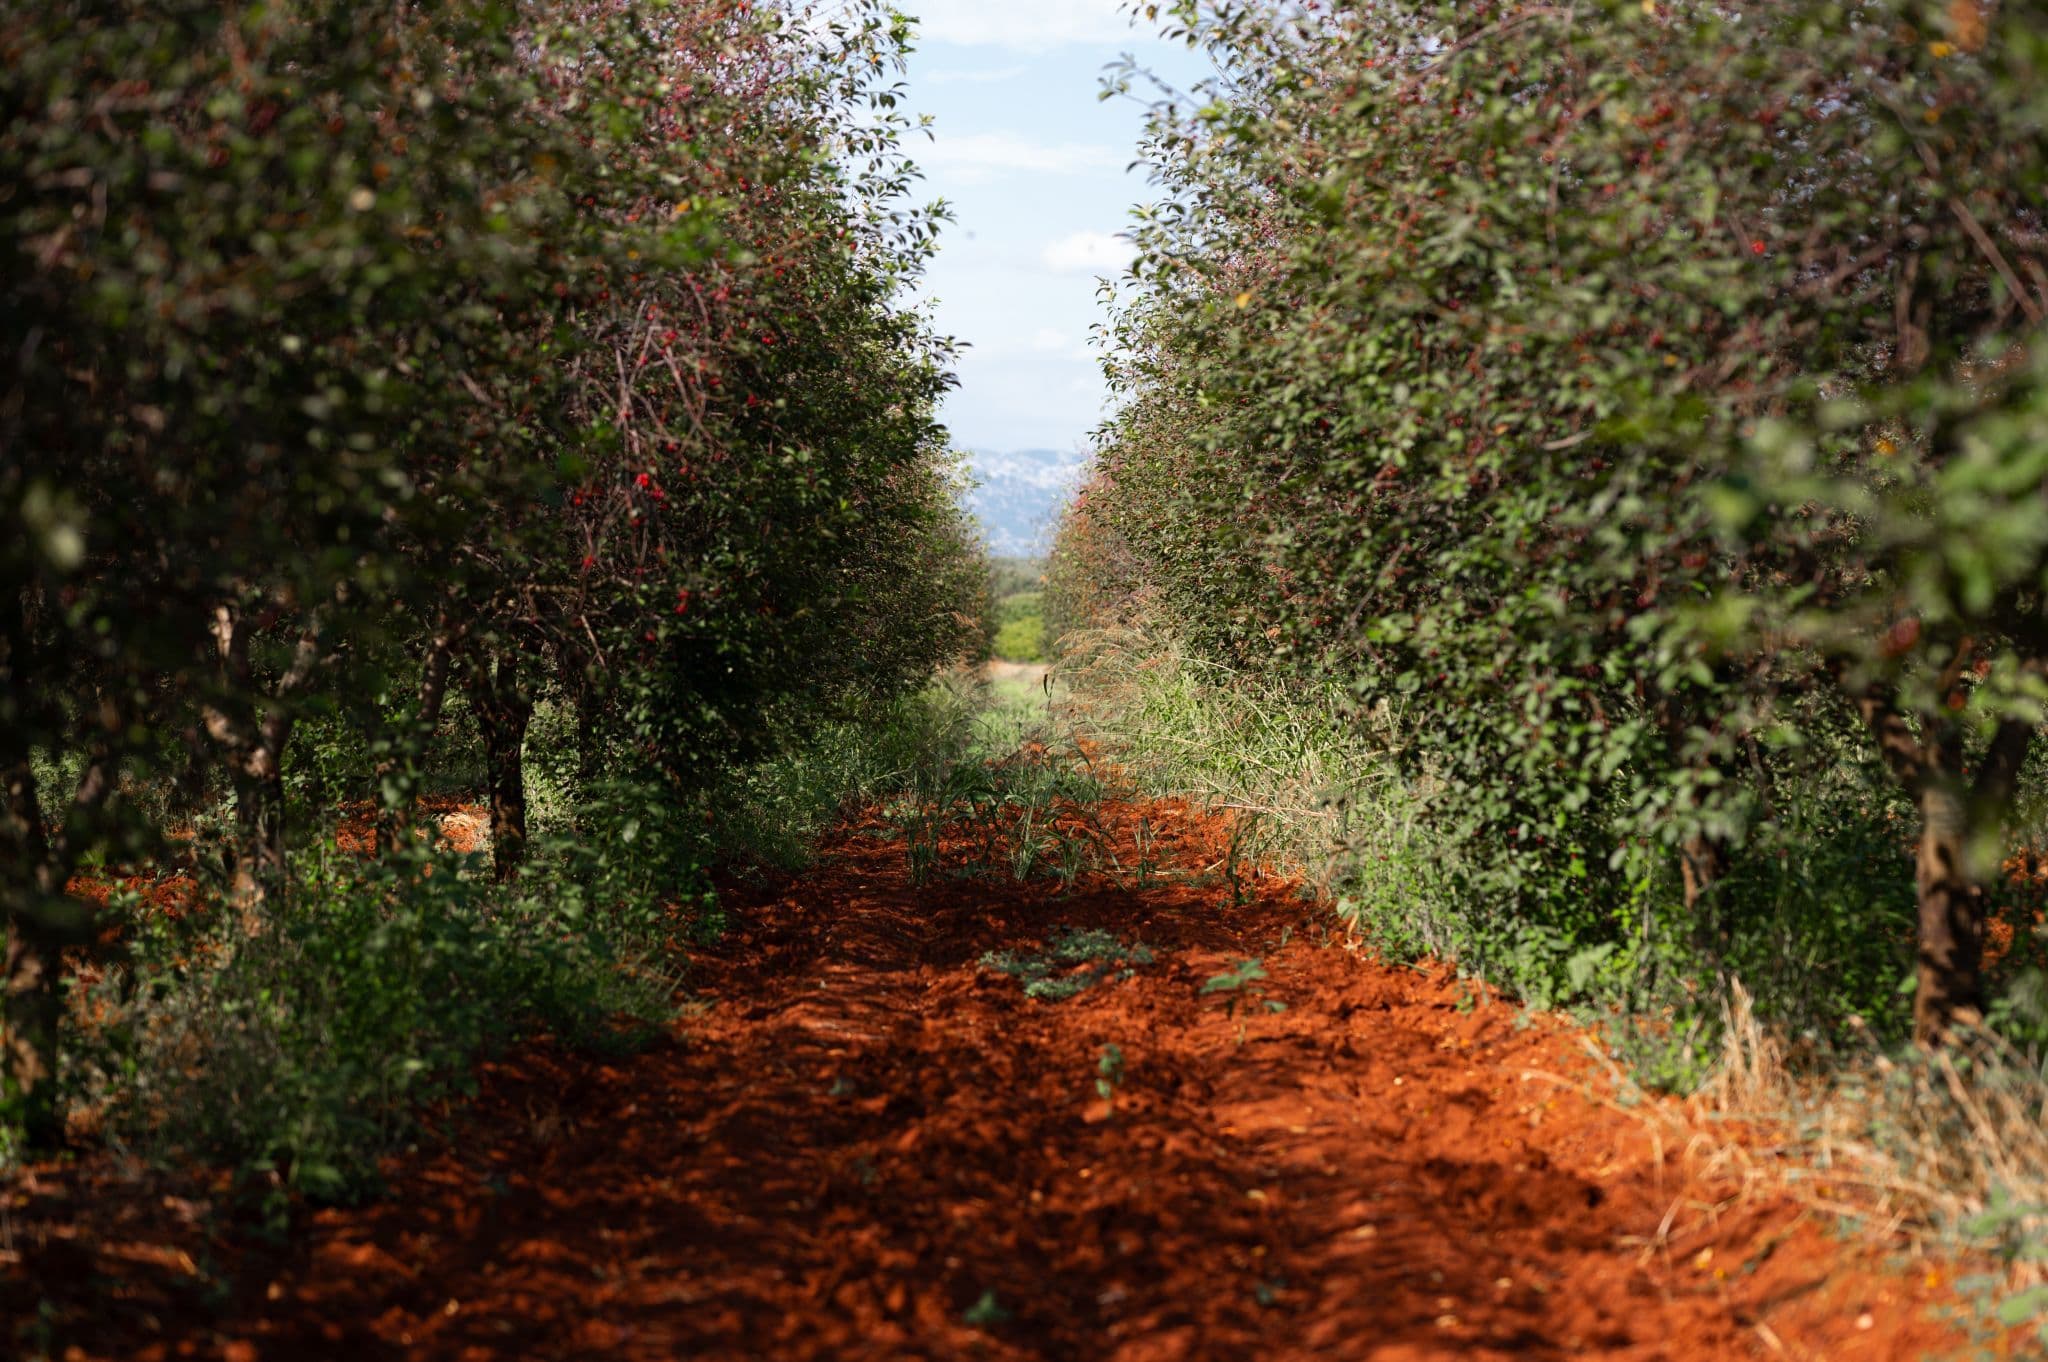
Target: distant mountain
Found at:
1017, 496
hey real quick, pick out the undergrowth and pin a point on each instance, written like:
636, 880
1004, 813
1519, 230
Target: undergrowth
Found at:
1948, 1146
772, 813
299, 1055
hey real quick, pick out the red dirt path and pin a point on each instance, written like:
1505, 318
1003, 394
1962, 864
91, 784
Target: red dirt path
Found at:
859, 1135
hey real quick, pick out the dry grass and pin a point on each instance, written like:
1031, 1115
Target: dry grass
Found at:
1946, 1148
1938, 1155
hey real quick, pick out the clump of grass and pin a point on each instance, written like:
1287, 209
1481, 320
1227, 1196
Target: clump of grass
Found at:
1072, 962
1942, 1151
1931, 1141
1314, 793
773, 813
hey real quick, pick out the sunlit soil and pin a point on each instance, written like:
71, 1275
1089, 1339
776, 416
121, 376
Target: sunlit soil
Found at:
862, 1143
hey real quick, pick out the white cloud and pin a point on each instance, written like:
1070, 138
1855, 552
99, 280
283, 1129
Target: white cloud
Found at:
1031, 26
1037, 347
1089, 253
977, 158
989, 77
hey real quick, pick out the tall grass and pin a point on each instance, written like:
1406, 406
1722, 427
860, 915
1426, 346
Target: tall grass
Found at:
1944, 1150
1305, 785
771, 814
1953, 1141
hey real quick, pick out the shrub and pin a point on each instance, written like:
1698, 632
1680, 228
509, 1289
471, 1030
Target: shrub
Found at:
301, 1056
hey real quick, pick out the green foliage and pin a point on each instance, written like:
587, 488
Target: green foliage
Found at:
1018, 616
1814, 916
1242, 983
1109, 1072
302, 1056
398, 381
1231, 980
1073, 961
635, 863
1612, 453
1021, 639
771, 813
1996, 1307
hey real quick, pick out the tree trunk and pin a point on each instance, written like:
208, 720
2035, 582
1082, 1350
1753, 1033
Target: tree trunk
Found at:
1702, 862
254, 740
401, 769
505, 745
503, 708
1951, 941
257, 769
39, 916
32, 1007
259, 834
1960, 816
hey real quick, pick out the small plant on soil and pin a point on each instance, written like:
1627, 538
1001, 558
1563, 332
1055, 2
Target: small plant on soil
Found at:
921, 847
1146, 840
1241, 982
1028, 845
1073, 858
1109, 1073
1075, 961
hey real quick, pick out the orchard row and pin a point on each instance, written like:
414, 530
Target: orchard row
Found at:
1639, 414
357, 357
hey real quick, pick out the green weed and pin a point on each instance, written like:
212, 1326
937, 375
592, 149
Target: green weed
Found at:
302, 1055
1241, 983
1109, 1073
1074, 961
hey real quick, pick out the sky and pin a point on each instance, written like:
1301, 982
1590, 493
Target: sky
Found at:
1035, 168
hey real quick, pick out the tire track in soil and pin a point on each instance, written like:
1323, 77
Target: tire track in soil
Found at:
861, 1136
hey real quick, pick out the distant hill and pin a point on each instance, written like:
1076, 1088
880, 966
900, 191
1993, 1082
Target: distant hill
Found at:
1017, 495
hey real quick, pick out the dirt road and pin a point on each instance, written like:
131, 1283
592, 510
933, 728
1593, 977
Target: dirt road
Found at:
865, 1144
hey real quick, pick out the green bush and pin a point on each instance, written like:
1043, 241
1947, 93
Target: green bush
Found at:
1814, 917
305, 1054
301, 1056
1021, 639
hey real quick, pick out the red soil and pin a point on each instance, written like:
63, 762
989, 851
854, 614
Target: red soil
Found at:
459, 824
858, 1135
